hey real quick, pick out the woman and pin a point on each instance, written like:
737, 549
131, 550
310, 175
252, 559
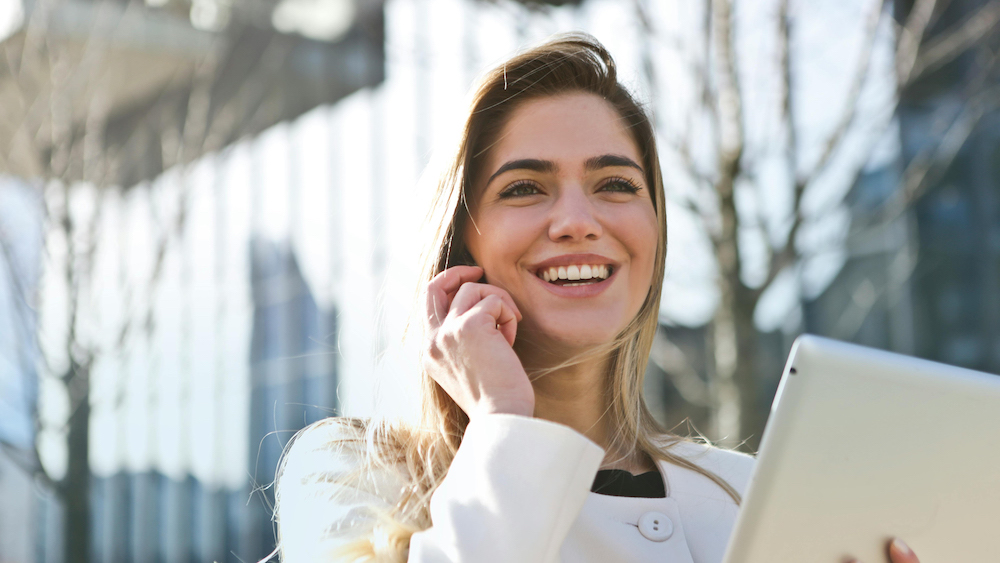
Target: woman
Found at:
541, 304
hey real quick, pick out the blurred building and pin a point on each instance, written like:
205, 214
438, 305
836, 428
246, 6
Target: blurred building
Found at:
150, 516
224, 351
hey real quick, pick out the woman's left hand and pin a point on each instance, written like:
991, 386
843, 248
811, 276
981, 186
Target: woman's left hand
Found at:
899, 552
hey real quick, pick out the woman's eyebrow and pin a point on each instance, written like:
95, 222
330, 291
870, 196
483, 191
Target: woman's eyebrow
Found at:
607, 160
547, 166
533, 164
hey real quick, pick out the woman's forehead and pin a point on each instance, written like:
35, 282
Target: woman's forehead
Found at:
567, 129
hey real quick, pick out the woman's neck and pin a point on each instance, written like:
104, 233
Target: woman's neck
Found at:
575, 396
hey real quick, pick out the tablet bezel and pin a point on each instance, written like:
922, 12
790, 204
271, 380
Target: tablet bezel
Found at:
863, 445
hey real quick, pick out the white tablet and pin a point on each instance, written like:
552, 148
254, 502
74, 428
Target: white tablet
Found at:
863, 445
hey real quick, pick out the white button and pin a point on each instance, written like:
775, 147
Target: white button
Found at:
656, 526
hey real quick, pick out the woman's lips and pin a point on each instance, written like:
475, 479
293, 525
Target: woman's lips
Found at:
573, 273
579, 289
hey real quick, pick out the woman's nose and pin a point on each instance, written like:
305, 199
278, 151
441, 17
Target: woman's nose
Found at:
573, 218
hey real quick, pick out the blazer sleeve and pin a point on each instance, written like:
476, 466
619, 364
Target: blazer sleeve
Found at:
513, 490
512, 493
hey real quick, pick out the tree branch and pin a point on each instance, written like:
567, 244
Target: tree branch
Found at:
784, 258
854, 93
929, 164
730, 146
28, 462
785, 87
728, 100
702, 182
787, 255
952, 43
911, 35
863, 300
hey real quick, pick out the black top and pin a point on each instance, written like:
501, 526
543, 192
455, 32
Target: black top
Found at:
621, 483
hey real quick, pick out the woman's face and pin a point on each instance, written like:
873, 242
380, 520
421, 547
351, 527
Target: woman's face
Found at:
562, 218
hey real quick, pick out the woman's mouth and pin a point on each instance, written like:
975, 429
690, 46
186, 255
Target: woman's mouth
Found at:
575, 275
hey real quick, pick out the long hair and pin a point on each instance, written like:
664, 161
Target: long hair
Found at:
423, 452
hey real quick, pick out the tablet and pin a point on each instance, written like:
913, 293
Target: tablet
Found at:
864, 445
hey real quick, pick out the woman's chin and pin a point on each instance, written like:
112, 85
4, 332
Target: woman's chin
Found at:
562, 340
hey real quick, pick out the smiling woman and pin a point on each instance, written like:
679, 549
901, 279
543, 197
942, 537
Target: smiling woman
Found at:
568, 197
542, 290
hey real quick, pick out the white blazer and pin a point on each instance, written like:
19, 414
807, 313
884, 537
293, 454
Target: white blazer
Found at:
518, 491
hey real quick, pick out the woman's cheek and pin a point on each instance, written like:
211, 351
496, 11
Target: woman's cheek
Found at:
640, 231
503, 239
643, 238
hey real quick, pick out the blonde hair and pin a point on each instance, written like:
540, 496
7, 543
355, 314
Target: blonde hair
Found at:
423, 452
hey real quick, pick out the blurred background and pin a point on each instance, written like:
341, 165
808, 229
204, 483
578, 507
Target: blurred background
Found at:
209, 211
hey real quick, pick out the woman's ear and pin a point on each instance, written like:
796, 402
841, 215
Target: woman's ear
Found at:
472, 262
465, 258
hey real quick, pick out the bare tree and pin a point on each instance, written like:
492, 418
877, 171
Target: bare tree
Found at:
732, 172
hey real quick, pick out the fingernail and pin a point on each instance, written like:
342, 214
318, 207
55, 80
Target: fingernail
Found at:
901, 547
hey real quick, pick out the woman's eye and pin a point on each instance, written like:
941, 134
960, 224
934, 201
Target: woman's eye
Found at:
620, 185
520, 189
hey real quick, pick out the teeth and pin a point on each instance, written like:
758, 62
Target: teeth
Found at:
575, 272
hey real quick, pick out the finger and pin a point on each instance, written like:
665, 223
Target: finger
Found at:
899, 552
500, 313
508, 328
471, 293
506, 319
453, 278
441, 290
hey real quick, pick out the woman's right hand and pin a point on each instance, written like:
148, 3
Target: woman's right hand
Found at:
471, 329
899, 552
